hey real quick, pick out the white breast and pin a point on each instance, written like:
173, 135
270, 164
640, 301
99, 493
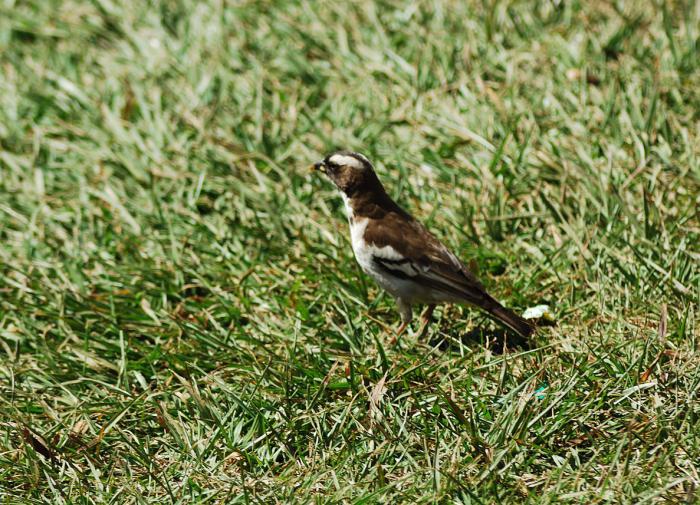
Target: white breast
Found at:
364, 253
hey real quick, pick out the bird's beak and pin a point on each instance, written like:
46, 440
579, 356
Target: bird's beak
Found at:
319, 166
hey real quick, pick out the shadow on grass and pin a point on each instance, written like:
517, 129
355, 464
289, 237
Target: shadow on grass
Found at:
496, 339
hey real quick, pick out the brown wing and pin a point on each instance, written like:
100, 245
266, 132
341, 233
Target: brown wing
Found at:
417, 254
424, 259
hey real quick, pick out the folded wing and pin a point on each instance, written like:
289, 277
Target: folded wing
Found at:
426, 261
405, 248
444, 274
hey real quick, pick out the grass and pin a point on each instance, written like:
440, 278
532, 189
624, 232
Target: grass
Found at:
181, 318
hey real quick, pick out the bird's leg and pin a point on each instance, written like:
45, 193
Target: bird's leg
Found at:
399, 331
402, 327
406, 317
425, 318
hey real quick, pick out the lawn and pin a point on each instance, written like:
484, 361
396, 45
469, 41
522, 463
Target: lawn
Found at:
181, 316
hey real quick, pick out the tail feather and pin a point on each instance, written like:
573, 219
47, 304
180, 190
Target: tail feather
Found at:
513, 321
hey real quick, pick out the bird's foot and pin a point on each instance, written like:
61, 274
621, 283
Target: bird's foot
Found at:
399, 331
425, 319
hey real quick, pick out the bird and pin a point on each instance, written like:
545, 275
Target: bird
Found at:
400, 254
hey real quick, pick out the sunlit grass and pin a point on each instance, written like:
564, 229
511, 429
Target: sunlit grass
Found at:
181, 318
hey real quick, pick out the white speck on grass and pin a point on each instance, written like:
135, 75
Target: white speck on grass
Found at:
538, 312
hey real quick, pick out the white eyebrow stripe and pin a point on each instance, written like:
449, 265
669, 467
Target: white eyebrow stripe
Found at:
363, 157
342, 160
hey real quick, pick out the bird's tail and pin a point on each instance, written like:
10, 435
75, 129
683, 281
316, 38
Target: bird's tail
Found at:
512, 320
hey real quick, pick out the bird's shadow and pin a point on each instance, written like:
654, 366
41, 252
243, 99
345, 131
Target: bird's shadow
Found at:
497, 340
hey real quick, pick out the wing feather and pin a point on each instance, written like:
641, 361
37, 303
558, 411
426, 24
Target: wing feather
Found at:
430, 263
406, 249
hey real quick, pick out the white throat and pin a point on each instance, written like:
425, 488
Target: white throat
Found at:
348, 207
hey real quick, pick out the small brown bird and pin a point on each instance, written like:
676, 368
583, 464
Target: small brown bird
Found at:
400, 254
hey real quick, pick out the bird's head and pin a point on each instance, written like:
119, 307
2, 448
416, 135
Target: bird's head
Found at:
349, 171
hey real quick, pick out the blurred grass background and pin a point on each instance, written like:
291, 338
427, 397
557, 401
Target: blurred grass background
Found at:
181, 317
